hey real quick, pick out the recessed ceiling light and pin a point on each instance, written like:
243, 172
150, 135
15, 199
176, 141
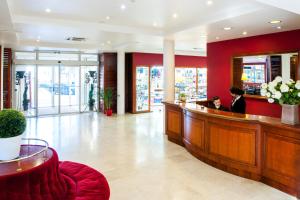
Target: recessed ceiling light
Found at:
217, 38
275, 22
227, 28
154, 24
245, 33
48, 10
123, 7
209, 3
175, 15
107, 17
278, 27
37, 40
108, 42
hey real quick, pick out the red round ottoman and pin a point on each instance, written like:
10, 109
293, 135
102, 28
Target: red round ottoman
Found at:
43, 177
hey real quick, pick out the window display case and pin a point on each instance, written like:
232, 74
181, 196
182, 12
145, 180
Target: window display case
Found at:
142, 89
157, 93
186, 82
202, 83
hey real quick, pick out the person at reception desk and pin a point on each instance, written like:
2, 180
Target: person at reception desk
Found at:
216, 104
238, 104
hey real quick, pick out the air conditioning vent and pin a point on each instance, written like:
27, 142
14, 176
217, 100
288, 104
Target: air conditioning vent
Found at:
76, 39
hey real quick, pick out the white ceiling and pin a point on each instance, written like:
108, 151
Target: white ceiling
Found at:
22, 22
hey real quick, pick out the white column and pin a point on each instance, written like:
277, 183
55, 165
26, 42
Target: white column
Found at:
121, 83
169, 70
1, 84
286, 66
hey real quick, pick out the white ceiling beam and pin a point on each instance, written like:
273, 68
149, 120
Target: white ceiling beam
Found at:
22, 19
289, 5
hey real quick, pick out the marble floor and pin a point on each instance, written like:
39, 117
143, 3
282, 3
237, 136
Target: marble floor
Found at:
139, 162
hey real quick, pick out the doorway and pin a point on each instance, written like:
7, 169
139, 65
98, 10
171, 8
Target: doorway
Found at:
55, 89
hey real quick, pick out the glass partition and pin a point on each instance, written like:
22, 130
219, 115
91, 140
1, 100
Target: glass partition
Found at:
25, 89
89, 89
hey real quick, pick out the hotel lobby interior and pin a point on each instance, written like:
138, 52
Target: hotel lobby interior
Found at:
149, 100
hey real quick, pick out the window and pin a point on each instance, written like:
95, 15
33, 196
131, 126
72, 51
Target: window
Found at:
255, 73
58, 56
89, 57
25, 55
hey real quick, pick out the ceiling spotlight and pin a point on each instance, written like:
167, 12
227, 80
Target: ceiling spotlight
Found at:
48, 10
37, 40
227, 28
209, 3
278, 27
275, 22
175, 15
155, 24
107, 17
108, 42
245, 33
123, 7
217, 38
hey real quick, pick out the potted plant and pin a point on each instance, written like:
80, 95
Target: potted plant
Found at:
285, 93
12, 126
91, 98
25, 100
108, 95
182, 97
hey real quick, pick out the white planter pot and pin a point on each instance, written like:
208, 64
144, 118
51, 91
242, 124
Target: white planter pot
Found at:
10, 147
290, 114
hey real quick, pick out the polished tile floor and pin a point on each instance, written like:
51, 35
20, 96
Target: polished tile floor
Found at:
139, 162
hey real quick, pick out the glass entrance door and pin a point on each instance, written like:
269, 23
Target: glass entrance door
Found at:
69, 89
48, 90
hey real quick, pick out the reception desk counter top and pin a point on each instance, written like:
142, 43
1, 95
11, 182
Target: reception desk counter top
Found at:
252, 146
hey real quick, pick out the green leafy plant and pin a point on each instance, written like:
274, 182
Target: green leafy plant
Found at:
25, 100
12, 123
91, 97
108, 96
182, 95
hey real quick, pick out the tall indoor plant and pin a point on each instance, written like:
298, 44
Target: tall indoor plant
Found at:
91, 98
12, 126
108, 97
287, 94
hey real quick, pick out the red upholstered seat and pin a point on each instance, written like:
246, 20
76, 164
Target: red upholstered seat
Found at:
54, 180
84, 183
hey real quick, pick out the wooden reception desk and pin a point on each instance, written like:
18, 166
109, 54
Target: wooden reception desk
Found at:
255, 147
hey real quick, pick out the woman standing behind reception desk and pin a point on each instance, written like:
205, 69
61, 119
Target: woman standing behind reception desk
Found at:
238, 104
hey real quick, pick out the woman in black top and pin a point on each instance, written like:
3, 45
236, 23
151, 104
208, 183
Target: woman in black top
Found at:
238, 104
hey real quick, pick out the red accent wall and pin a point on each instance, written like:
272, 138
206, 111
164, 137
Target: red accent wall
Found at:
150, 59
219, 58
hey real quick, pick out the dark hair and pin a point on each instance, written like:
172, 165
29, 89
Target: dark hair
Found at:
215, 98
237, 91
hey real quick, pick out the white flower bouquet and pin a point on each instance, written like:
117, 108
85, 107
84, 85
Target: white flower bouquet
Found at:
282, 92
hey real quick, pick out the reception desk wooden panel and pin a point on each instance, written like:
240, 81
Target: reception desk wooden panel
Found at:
255, 147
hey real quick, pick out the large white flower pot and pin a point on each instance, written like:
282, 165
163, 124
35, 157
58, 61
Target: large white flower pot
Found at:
10, 147
290, 114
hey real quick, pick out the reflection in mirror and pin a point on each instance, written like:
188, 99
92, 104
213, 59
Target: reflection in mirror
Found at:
249, 72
